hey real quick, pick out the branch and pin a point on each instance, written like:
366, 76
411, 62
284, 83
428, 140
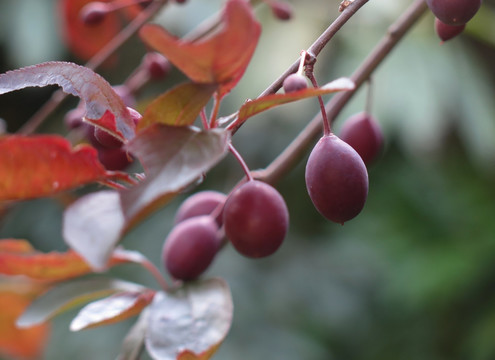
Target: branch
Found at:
300, 145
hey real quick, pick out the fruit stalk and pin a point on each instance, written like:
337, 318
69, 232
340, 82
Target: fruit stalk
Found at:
298, 148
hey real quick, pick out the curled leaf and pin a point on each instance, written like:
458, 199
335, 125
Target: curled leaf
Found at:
69, 295
80, 81
36, 166
112, 309
189, 323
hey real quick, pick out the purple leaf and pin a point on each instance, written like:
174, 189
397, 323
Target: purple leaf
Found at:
76, 80
93, 225
173, 157
194, 319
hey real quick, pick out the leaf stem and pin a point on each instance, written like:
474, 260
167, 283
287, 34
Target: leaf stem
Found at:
241, 161
299, 146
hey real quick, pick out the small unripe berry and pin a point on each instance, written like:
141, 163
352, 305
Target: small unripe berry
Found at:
114, 159
281, 10
294, 82
454, 12
93, 13
157, 65
256, 219
446, 32
201, 203
364, 134
336, 179
190, 247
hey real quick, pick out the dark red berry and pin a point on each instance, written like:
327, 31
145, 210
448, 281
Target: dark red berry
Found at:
281, 10
93, 13
454, 12
364, 134
294, 82
114, 159
157, 65
255, 219
202, 203
446, 32
106, 139
135, 115
190, 247
336, 179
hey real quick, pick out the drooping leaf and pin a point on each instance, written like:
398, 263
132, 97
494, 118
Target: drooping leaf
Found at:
93, 226
220, 58
112, 309
253, 107
97, 94
189, 323
14, 342
179, 106
69, 295
86, 40
173, 157
42, 165
52, 266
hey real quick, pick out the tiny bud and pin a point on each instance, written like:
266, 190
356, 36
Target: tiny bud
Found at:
93, 13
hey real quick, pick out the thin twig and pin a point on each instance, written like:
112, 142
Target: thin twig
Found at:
299, 146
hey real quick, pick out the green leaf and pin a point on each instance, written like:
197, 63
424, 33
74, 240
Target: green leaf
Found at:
173, 157
253, 107
191, 321
178, 106
69, 295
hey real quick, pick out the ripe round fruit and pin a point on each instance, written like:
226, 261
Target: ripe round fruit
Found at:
106, 139
446, 32
114, 159
256, 219
294, 82
157, 65
191, 247
201, 203
94, 13
454, 12
364, 134
281, 10
336, 179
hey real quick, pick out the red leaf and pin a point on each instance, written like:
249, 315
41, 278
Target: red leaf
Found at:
220, 58
14, 342
173, 157
112, 309
253, 107
83, 40
178, 106
43, 165
96, 92
16, 258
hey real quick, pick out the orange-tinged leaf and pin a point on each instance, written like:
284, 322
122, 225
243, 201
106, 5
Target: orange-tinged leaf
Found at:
36, 166
189, 355
84, 40
16, 246
112, 309
253, 107
15, 342
220, 58
178, 106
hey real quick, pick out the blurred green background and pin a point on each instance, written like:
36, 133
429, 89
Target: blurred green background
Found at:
412, 277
